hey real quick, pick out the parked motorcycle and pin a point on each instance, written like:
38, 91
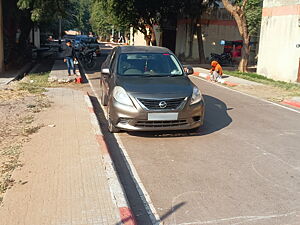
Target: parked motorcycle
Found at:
223, 59
86, 56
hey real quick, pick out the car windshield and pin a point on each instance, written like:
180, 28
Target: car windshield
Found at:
148, 64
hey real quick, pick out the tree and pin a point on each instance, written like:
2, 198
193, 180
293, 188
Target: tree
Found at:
142, 15
103, 18
193, 9
84, 15
44, 9
247, 14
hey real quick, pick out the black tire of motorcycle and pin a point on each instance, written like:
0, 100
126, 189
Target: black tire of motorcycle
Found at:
91, 64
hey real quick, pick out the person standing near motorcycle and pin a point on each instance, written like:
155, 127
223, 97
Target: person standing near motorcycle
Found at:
216, 71
69, 57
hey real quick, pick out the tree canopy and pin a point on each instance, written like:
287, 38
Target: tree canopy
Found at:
44, 9
247, 14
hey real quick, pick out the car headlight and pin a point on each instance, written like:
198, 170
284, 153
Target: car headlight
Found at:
197, 96
121, 96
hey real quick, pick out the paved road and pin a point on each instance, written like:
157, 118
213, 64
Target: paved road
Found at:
242, 167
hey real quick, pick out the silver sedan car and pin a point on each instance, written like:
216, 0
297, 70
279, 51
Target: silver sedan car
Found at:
147, 89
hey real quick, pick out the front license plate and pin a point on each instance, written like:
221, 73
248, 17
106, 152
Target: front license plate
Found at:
162, 116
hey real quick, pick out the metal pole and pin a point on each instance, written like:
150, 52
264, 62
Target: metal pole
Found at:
59, 32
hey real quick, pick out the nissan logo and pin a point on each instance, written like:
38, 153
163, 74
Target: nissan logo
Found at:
162, 104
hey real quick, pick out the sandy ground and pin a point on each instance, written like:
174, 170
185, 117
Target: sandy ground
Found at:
18, 110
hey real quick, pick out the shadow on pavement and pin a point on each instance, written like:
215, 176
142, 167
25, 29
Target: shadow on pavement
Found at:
135, 201
164, 216
216, 118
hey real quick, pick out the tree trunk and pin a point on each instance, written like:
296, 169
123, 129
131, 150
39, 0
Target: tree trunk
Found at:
148, 39
153, 37
200, 43
243, 65
238, 12
191, 37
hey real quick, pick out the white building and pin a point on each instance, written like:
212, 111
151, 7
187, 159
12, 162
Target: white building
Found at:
279, 50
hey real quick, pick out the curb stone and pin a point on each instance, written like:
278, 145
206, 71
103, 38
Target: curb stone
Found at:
291, 103
153, 215
117, 193
222, 81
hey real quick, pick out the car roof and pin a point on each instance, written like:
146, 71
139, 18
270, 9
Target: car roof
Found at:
141, 49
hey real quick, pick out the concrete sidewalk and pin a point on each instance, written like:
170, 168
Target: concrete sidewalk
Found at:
9, 76
232, 81
227, 78
59, 73
63, 180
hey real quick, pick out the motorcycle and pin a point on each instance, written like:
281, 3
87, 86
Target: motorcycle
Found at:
87, 57
223, 59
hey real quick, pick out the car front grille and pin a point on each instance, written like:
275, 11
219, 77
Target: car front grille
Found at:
154, 104
154, 124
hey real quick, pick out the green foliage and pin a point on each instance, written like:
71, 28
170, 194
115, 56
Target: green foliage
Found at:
104, 18
253, 11
43, 9
100, 20
253, 16
194, 8
84, 15
293, 87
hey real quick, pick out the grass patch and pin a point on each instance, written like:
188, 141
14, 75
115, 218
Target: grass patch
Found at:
291, 87
36, 83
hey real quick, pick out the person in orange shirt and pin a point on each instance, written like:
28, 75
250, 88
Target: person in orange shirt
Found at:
216, 71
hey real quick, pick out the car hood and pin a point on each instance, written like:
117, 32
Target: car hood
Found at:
156, 87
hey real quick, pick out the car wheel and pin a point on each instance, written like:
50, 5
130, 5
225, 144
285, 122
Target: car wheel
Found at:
111, 127
103, 98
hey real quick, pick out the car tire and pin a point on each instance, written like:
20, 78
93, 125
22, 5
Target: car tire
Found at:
111, 127
91, 64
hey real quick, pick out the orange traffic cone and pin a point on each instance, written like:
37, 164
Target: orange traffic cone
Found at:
78, 80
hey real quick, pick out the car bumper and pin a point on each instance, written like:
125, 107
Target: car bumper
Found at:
132, 118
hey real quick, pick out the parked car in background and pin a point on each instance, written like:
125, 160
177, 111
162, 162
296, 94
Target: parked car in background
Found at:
78, 41
147, 89
69, 37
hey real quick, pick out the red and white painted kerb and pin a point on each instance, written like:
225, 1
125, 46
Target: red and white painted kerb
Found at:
116, 190
207, 77
291, 103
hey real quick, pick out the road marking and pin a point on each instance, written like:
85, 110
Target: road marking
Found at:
263, 100
139, 185
245, 218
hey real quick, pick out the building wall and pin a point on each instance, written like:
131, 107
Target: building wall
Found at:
280, 33
215, 27
138, 39
212, 34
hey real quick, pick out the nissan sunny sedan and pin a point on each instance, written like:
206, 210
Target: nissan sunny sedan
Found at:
147, 89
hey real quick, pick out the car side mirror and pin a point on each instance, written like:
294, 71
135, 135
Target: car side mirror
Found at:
105, 71
188, 70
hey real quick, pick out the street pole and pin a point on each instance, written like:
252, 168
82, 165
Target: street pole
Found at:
1, 40
59, 31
